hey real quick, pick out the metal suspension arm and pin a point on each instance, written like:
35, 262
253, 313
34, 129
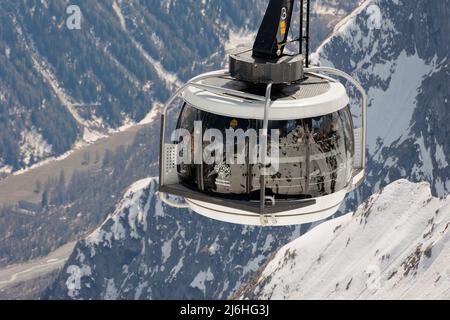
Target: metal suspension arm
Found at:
304, 37
273, 33
274, 30
263, 149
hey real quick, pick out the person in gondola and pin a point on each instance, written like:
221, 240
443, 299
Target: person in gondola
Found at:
333, 159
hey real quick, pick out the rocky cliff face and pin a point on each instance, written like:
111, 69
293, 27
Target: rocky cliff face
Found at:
146, 250
399, 52
395, 246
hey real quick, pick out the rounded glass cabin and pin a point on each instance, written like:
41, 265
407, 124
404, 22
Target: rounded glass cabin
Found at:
213, 156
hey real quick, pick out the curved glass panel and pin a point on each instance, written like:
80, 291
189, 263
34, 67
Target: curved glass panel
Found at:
316, 157
328, 165
188, 172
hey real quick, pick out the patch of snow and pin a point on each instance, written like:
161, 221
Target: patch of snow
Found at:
201, 279
140, 288
153, 115
118, 11
111, 292
394, 107
74, 281
238, 39
147, 86
254, 264
33, 146
166, 250
6, 169
425, 169
203, 8
90, 136
167, 5
157, 40
159, 209
212, 249
268, 243
176, 269
441, 158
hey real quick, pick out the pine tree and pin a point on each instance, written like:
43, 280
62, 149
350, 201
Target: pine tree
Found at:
38, 186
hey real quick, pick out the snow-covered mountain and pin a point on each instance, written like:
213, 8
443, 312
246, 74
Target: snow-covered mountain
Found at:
395, 246
61, 87
399, 50
146, 250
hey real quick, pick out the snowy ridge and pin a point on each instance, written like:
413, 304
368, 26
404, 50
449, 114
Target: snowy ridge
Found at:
131, 210
341, 26
127, 220
395, 246
146, 250
118, 11
401, 75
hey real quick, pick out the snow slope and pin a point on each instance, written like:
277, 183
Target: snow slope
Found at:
399, 51
395, 246
170, 253
146, 250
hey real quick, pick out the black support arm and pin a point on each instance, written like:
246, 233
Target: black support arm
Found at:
274, 30
273, 33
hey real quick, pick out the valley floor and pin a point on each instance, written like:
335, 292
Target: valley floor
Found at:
17, 275
22, 186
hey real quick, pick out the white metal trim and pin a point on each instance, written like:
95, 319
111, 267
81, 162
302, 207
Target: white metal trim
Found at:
248, 106
325, 207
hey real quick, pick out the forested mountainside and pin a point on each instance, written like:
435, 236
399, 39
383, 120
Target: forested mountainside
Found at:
60, 86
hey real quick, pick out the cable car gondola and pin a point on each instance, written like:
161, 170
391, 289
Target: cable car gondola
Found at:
298, 113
